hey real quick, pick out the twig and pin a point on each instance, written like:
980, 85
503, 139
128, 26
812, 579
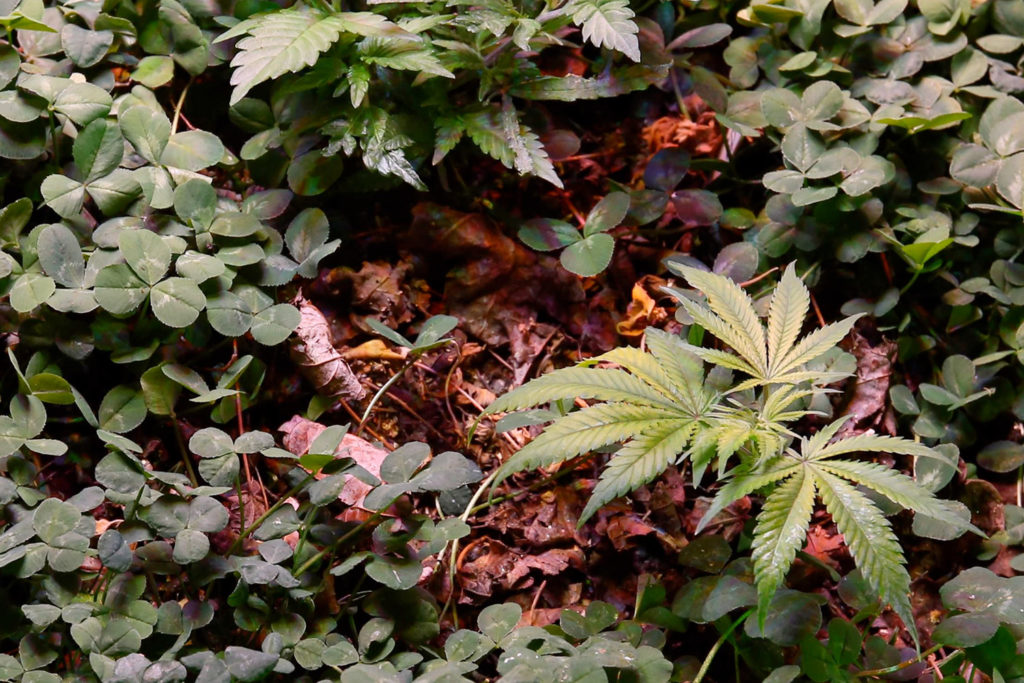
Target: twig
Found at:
243, 531
817, 311
759, 277
476, 404
305, 566
453, 557
536, 598
540, 483
406, 407
447, 391
884, 671
355, 416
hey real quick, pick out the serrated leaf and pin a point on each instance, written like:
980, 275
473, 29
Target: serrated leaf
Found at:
871, 541
639, 462
577, 382
895, 486
779, 534
589, 429
743, 484
813, 346
402, 53
607, 23
734, 307
865, 443
279, 43
786, 313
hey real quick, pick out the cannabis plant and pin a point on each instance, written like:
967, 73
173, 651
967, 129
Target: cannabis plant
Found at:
660, 408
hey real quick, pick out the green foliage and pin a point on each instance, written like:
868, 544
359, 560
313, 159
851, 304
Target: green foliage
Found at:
659, 406
383, 84
135, 251
166, 284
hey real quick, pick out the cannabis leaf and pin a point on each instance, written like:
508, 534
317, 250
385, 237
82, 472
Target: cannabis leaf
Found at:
500, 134
797, 477
770, 356
657, 407
607, 23
653, 404
288, 40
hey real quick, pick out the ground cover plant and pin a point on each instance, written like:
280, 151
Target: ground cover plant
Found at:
598, 340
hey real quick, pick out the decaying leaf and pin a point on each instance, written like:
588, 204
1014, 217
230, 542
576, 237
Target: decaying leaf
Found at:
867, 403
313, 350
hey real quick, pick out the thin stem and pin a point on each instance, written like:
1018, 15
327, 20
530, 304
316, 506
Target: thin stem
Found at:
1020, 484
56, 141
897, 667
241, 503
241, 425
305, 566
134, 509
178, 106
180, 438
913, 279
383, 389
718, 646
540, 483
453, 556
243, 531
307, 522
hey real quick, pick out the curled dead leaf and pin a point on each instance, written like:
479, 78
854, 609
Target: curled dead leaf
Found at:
375, 349
313, 350
643, 310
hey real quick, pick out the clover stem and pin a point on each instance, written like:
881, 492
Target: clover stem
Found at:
1020, 485
241, 502
383, 389
180, 438
56, 141
718, 646
243, 531
352, 532
178, 106
913, 279
453, 556
130, 513
540, 483
241, 429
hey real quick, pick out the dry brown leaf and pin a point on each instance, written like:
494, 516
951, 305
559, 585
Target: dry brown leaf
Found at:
314, 352
869, 397
643, 310
375, 349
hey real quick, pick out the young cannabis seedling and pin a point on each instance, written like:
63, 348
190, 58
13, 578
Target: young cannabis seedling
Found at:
662, 409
